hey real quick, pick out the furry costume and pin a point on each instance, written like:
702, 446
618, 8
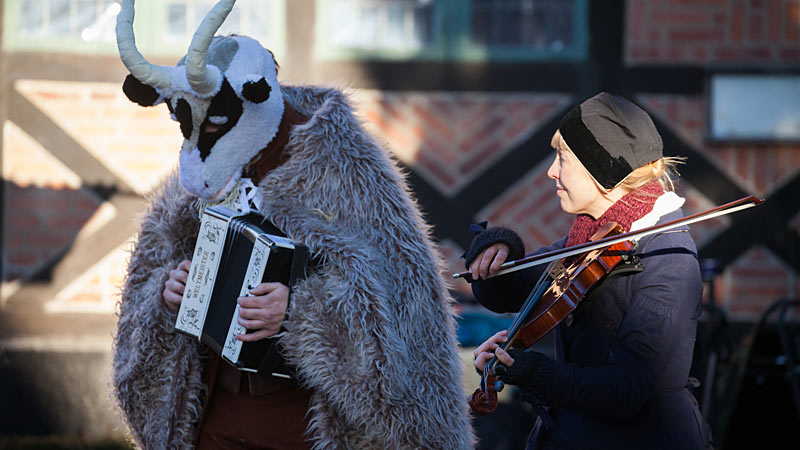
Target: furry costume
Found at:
371, 331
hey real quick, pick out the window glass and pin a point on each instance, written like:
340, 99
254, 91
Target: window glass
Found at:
451, 29
163, 27
754, 107
535, 24
392, 25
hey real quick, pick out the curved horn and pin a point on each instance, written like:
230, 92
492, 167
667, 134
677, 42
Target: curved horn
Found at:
149, 74
200, 78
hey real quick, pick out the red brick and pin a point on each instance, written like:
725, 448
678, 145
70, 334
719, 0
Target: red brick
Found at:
25, 258
48, 240
756, 29
699, 54
431, 120
434, 146
541, 110
61, 222
444, 108
696, 3
488, 151
793, 21
428, 164
687, 17
636, 20
476, 112
767, 293
23, 220
51, 95
86, 204
739, 54
397, 137
480, 130
774, 21
507, 204
538, 238
737, 22
760, 172
789, 54
517, 128
100, 96
33, 201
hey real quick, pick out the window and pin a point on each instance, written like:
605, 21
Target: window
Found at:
163, 27
467, 30
391, 28
510, 29
754, 108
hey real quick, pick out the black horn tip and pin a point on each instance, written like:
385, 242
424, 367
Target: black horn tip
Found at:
138, 92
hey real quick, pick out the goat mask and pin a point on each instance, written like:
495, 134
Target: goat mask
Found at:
224, 93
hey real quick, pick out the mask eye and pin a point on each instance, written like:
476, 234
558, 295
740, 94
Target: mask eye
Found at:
218, 120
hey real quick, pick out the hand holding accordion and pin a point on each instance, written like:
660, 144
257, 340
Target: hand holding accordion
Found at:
234, 253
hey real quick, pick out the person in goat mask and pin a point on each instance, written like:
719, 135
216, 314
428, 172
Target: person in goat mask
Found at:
354, 329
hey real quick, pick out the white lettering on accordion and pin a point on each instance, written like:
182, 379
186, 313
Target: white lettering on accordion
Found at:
202, 273
255, 273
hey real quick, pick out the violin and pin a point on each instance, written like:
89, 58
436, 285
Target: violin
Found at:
571, 275
549, 303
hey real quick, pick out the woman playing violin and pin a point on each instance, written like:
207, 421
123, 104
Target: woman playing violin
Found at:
622, 357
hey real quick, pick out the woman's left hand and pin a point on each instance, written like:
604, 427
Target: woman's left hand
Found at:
491, 348
263, 311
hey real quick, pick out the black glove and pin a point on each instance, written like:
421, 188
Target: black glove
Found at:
531, 371
484, 238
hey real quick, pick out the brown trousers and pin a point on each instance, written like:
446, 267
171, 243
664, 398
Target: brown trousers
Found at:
247, 413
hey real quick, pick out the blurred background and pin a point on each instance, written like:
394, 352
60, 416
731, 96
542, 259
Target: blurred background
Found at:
466, 95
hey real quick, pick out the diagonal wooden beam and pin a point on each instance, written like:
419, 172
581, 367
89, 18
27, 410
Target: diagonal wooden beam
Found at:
79, 256
768, 225
698, 171
61, 145
452, 215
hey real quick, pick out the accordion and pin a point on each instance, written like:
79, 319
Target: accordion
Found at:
234, 252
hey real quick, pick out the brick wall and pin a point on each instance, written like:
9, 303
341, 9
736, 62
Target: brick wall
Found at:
49, 209
727, 33
713, 31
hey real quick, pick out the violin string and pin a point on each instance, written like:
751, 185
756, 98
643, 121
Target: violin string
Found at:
530, 301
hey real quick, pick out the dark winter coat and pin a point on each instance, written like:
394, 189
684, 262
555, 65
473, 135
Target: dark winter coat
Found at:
622, 360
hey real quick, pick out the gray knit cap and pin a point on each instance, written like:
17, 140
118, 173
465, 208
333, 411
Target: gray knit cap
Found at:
611, 137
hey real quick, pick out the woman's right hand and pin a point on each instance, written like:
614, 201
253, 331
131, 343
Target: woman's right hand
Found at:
175, 284
488, 261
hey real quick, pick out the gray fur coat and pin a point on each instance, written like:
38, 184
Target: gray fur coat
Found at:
372, 333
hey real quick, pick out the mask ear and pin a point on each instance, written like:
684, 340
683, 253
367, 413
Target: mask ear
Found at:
257, 91
140, 93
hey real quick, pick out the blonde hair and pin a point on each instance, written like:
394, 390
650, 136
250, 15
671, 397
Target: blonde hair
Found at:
663, 169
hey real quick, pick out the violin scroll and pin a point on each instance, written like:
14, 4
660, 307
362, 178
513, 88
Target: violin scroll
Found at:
484, 400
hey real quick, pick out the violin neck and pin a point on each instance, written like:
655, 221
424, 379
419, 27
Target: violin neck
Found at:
533, 297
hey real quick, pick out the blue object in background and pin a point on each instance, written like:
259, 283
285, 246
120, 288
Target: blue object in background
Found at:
476, 327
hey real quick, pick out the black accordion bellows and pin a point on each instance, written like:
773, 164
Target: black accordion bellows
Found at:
234, 253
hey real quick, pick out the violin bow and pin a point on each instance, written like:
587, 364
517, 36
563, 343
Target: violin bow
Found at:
543, 258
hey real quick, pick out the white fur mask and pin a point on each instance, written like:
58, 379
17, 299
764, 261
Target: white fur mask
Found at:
224, 93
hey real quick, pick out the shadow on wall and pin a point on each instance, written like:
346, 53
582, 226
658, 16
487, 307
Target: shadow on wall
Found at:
57, 393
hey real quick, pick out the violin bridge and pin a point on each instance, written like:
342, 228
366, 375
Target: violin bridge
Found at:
556, 270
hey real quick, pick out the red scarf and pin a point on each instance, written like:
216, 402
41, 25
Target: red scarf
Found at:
630, 208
